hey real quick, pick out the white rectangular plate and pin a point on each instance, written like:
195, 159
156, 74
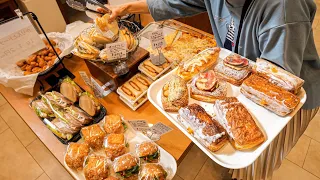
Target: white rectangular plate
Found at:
270, 123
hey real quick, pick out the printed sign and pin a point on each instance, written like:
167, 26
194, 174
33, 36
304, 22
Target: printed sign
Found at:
160, 129
18, 40
139, 125
157, 39
116, 50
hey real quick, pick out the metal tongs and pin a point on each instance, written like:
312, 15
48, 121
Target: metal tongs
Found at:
81, 7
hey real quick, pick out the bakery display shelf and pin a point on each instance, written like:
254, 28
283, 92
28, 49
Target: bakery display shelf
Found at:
76, 136
270, 123
165, 70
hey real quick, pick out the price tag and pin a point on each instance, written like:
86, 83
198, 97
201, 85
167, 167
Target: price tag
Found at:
160, 129
116, 50
139, 125
97, 89
85, 78
157, 39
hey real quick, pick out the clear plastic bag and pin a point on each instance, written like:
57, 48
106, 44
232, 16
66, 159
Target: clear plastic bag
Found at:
65, 127
152, 171
127, 166
94, 136
76, 154
56, 99
42, 109
78, 114
114, 124
148, 151
115, 146
96, 167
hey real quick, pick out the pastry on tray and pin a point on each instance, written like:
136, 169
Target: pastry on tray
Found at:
115, 146
205, 87
152, 171
96, 167
152, 70
134, 87
235, 118
126, 166
148, 152
93, 135
206, 129
198, 63
233, 69
174, 94
114, 124
70, 89
76, 154
268, 95
89, 103
278, 76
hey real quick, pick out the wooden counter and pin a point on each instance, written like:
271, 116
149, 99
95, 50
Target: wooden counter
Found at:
175, 142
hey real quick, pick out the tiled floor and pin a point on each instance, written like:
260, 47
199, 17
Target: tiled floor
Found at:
23, 156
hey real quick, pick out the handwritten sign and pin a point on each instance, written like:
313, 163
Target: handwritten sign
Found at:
18, 40
116, 50
157, 39
139, 125
160, 129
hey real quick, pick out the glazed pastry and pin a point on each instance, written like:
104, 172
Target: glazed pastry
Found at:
93, 135
174, 94
278, 76
206, 129
239, 124
115, 146
198, 63
76, 154
205, 87
113, 124
268, 95
233, 69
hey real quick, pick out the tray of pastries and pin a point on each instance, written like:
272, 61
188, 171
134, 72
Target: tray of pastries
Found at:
154, 71
113, 150
232, 122
137, 104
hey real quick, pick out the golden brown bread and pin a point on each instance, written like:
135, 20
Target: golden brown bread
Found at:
238, 122
268, 95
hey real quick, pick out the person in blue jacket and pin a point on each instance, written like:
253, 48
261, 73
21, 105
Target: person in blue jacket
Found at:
276, 30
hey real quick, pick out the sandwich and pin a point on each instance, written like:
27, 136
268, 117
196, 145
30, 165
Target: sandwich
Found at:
55, 130
115, 146
278, 76
64, 127
78, 114
70, 89
148, 152
206, 87
109, 30
41, 109
56, 100
96, 167
126, 166
98, 37
89, 104
233, 69
93, 135
126, 36
199, 63
204, 128
114, 124
152, 70
76, 154
85, 50
235, 118
174, 94
85, 36
152, 172
266, 94
135, 86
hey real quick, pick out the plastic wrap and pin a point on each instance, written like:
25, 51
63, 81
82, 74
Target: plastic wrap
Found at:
148, 151
64, 127
115, 145
41, 109
89, 103
96, 167
114, 124
78, 114
126, 165
152, 171
93, 135
57, 100
76, 153
70, 89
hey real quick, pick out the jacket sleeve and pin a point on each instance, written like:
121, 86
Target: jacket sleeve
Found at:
285, 45
171, 9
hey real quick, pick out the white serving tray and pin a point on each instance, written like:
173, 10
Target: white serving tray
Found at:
166, 160
153, 77
134, 108
270, 123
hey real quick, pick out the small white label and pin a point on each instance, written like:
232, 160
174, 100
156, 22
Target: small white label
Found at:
97, 89
160, 129
139, 125
157, 39
117, 50
85, 78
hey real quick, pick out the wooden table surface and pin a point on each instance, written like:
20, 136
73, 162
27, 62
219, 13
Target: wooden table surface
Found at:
175, 142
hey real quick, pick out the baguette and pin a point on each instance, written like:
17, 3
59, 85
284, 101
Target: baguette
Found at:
268, 95
238, 122
278, 76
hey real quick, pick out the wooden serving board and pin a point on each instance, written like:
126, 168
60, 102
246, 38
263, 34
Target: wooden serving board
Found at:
104, 72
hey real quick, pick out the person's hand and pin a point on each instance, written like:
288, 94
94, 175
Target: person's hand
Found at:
116, 11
